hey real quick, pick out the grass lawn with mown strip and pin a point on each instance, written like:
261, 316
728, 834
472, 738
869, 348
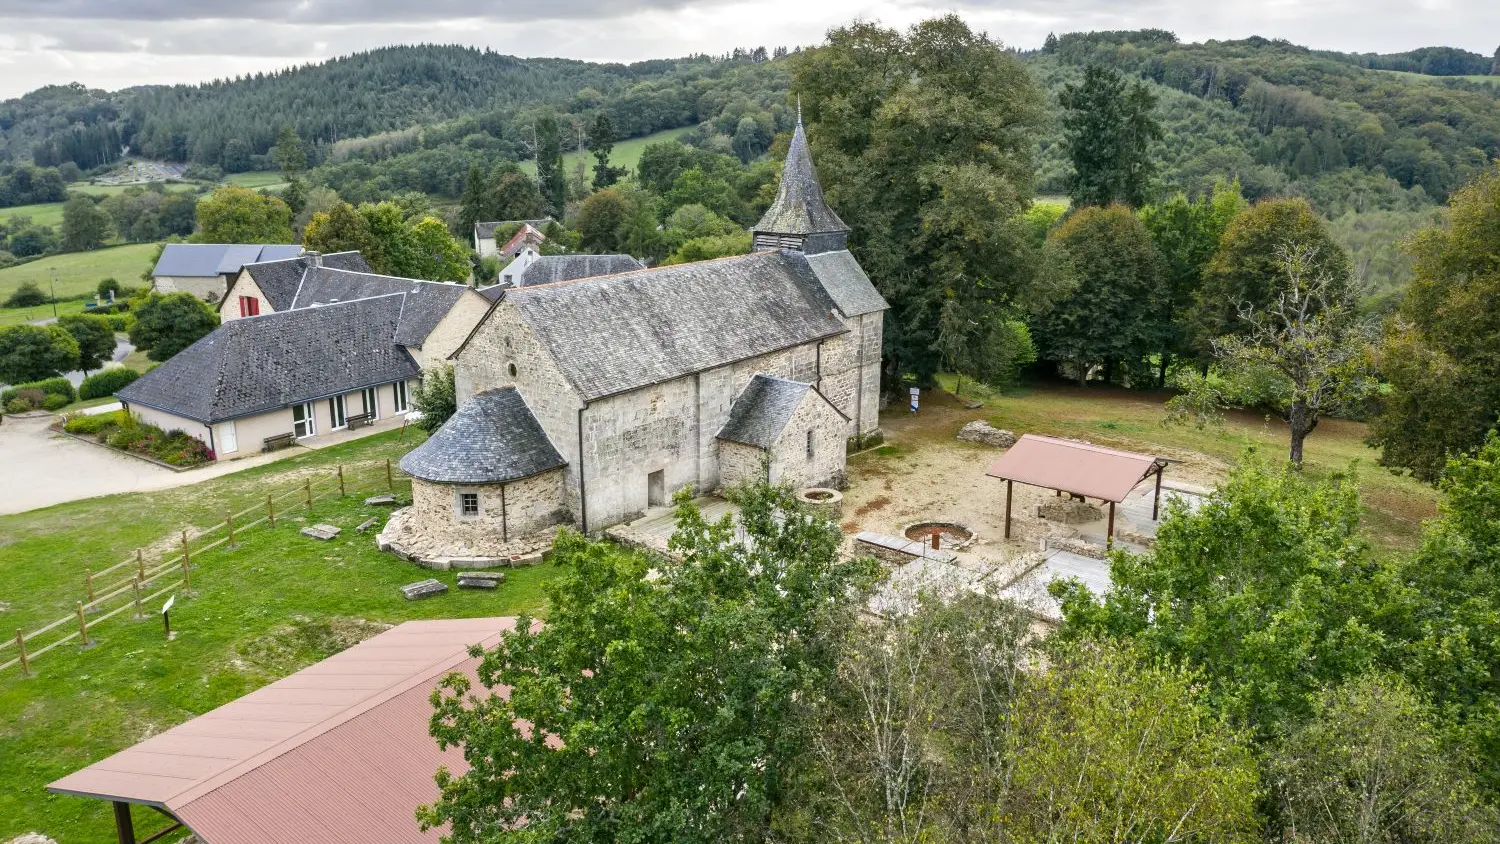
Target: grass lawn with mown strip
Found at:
276, 603
79, 273
1395, 505
627, 153
257, 179
17, 316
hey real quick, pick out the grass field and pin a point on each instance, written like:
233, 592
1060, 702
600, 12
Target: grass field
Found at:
1423, 77
16, 316
45, 214
274, 604
257, 179
627, 153
79, 273
111, 190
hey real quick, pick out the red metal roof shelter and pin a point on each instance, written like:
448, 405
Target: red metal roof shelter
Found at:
1078, 468
338, 752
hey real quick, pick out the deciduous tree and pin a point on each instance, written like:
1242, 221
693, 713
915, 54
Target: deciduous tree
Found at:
434, 254
96, 340
165, 325
85, 225
435, 398
237, 214
288, 154
33, 352
654, 707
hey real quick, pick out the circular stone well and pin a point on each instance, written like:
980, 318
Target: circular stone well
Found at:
821, 498
951, 535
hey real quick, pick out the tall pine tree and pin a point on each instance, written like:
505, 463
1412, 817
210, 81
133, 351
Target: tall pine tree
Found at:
549, 163
1108, 132
602, 139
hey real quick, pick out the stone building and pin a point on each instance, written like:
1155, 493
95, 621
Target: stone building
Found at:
693, 375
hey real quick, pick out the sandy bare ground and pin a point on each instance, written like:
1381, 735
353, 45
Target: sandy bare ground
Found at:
925, 474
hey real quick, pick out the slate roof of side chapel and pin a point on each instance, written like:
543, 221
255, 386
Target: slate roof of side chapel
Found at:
492, 438
615, 333
548, 269
762, 410
262, 363
799, 207
427, 302
278, 280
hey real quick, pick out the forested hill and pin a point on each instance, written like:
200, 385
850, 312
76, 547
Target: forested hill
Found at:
222, 123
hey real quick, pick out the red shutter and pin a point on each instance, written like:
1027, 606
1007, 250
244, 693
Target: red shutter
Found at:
249, 306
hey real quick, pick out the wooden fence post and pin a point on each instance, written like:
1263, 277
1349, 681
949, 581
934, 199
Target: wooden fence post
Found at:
21, 643
83, 625
137, 586
88, 577
140, 564
229, 527
187, 579
187, 558
390, 482
307, 484
341, 480
270, 511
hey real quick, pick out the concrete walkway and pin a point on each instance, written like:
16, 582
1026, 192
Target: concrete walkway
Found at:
42, 468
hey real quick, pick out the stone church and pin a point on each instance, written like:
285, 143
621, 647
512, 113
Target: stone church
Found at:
585, 402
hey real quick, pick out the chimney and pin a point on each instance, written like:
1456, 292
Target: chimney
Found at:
314, 258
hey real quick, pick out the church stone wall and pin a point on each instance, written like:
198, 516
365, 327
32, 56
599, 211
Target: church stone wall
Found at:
739, 463
866, 416
525, 507
790, 463
484, 364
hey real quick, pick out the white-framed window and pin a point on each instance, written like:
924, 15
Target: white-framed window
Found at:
228, 441
398, 389
371, 402
467, 505
337, 418
304, 424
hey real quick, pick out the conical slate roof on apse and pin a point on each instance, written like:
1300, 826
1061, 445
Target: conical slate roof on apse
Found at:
799, 207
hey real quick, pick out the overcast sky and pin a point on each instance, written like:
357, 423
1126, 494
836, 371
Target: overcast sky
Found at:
118, 43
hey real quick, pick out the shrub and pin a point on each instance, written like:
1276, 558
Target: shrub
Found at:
25, 296
31, 397
99, 425
120, 321
16, 406
50, 386
54, 402
106, 382
106, 287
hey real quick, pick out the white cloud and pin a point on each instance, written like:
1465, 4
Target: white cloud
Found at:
133, 42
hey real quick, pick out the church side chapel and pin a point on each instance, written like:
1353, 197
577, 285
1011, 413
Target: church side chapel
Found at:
586, 402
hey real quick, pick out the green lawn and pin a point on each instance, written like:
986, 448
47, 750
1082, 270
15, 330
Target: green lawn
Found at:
1423, 77
16, 316
276, 603
111, 190
45, 214
627, 153
257, 179
79, 273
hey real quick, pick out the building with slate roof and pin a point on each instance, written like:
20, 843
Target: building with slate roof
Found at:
206, 269
266, 287
303, 373
546, 269
484, 233
647, 381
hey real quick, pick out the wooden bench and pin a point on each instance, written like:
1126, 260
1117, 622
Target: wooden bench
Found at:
360, 420
278, 441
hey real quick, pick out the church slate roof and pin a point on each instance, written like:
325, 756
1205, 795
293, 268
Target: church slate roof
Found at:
762, 410
616, 333
427, 302
278, 280
262, 363
551, 268
846, 283
799, 207
492, 438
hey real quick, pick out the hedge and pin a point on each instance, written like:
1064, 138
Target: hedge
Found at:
106, 382
58, 386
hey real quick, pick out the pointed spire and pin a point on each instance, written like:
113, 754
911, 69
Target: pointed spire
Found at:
799, 209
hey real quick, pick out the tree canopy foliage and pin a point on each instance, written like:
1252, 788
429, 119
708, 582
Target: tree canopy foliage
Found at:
165, 325
1108, 133
236, 214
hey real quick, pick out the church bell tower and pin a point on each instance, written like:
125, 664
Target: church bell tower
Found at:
800, 218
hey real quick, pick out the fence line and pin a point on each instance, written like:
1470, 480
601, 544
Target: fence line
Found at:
339, 484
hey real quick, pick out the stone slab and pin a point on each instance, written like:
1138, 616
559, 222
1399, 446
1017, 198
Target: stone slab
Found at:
386, 500
480, 579
366, 525
900, 549
980, 431
423, 589
323, 532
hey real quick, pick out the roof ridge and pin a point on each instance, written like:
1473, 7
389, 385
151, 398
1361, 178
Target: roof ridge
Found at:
719, 259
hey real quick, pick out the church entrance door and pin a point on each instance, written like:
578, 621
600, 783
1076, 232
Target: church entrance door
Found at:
656, 488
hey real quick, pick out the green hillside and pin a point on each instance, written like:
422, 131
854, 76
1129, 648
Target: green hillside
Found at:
627, 153
78, 273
